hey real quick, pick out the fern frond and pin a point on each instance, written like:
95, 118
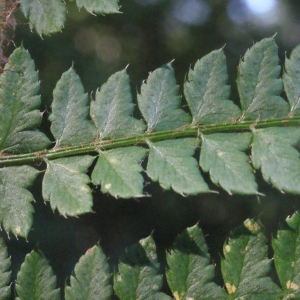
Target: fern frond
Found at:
109, 134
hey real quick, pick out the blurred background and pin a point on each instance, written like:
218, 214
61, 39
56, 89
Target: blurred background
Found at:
146, 35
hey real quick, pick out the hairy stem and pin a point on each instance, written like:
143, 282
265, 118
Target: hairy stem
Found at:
186, 131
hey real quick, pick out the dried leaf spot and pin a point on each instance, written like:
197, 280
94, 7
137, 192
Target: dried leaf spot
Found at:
230, 288
252, 226
107, 186
18, 229
292, 263
176, 296
292, 285
143, 243
227, 248
155, 287
113, 160
119, 278
189, 298
220, 153
84, 189
152, 255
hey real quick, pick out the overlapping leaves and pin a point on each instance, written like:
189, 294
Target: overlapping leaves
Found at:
189, 272
170, 162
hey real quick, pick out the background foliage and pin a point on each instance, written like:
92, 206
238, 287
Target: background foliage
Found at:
147, 35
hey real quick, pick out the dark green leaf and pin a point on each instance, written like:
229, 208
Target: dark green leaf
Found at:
118, 172
19, 106
246, 265
287, 256
99, 6
190, 274
291, 80
206, 90
15, 208
70, 111
138, 276
173, 165
45, 16
65, 185
272, 151
159, 101
112, 109
258, 83
5, 275
35, 280
92, 277
222, 156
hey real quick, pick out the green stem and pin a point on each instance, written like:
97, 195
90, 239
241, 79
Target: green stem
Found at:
186, 131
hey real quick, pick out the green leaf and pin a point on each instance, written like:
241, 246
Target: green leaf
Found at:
118, 172
70, 111
171, 163
15, 208
45, 16
19, 106
272, 151
92, 277
35, 280
138, 276
190, 274
112, 109
5, 275
258, 83
99, 6
246, 265
159, 101
222, 156
287, 256
206, 90
66, 186
291, 80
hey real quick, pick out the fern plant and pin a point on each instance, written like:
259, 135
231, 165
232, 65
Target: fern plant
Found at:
101, 136
189, 273
118, 142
